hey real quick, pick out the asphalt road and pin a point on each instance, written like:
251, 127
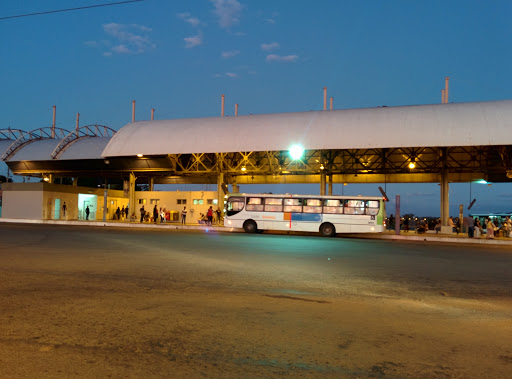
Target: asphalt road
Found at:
91, 302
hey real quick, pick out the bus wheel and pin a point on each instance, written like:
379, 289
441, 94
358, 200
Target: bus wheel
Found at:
250, 226
327, 229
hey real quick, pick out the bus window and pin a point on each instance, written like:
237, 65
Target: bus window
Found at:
255, 204
312, 206
273, 204
372, 207
354, 207
293, 205
235, 205
333, 206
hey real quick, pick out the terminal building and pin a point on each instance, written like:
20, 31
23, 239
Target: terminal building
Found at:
97, 166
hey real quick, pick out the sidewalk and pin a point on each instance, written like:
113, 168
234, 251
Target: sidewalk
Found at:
430, 236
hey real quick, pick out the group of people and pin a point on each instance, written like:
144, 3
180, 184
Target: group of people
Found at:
208, 219
121, 213
473, 226
158, 215
490, 227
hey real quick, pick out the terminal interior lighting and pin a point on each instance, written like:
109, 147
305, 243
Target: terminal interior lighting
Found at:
243, 168
412, 164
296, 151
140, 155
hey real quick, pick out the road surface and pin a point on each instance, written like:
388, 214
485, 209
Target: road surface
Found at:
92, 302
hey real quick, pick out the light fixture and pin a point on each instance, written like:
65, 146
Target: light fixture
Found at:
296, 151
140, 155
321, 167
46, 178
243, 168
412, 165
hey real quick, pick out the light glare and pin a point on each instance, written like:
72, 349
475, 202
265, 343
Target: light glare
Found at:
296, 151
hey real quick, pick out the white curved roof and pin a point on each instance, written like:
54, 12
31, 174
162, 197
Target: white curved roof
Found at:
463, 124
86, 148
41, 150
38, 150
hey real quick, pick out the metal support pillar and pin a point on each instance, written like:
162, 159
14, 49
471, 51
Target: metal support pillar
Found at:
397, 215
105, 201
220, 192
131, 193
236, 189
322, 183
445, 201
329, 188
151, 184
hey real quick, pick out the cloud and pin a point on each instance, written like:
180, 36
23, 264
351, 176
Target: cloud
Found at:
187, 17
272, 19
281, 58
227, 74
127, 38
121, 49
193, 41
229, 54
228, 12
270, 46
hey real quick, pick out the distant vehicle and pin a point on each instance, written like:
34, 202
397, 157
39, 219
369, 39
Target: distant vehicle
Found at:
306, 213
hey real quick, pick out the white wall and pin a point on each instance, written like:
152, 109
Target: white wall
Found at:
22, 204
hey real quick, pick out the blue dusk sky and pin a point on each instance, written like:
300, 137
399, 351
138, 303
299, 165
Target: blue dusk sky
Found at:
179, 57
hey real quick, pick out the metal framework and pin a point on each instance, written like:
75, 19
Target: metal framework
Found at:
10, 134
34, 135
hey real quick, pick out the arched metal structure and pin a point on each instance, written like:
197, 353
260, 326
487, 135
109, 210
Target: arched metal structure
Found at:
31, 136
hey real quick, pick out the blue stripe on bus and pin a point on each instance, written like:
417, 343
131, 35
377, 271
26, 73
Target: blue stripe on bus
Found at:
306, 217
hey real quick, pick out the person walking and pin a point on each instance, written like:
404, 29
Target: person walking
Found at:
87, 211
184, 215
142, 213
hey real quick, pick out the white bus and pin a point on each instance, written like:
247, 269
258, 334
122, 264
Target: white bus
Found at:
306, 213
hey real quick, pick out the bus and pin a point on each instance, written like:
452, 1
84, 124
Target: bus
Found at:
305, 213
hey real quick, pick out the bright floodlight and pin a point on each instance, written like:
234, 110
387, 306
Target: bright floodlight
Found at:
296, 151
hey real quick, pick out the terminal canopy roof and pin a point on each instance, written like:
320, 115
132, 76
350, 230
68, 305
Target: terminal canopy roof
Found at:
464, 124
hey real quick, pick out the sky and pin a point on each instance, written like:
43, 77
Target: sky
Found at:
179, 57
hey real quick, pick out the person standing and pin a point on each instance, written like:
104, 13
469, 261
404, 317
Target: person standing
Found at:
209, 215
122, 212
490, 228
118, 213
142, 213
155, 214
471, 227
219, 215
87, 211
184, 215
64, 209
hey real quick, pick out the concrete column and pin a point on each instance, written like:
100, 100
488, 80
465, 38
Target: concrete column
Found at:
329, 189
445, 202
151, 184
322, 183
131, 194
220, 192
